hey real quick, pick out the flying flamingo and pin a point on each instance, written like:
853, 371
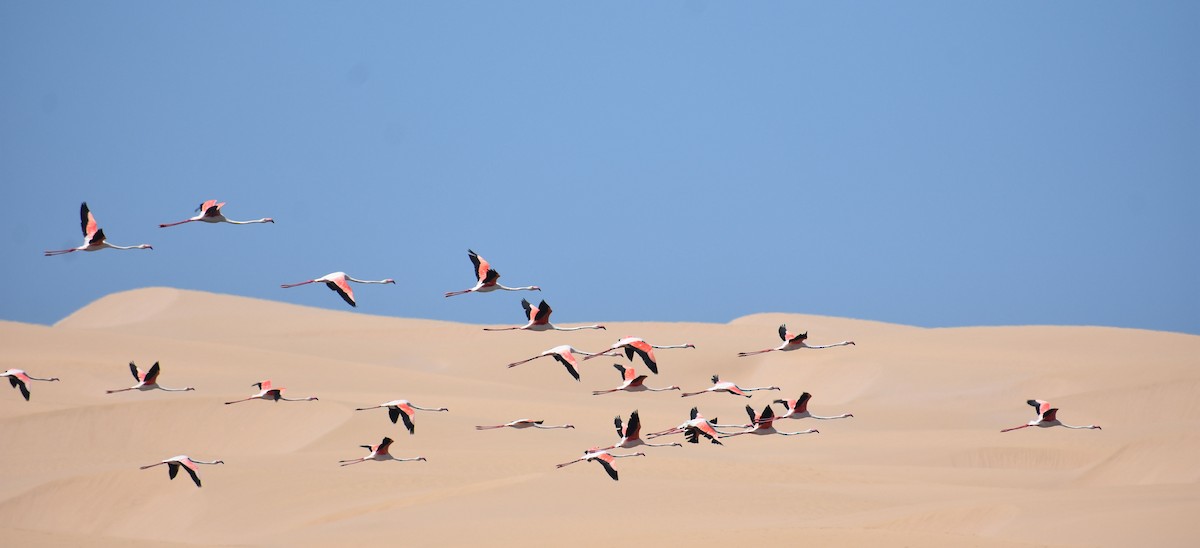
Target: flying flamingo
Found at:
719, 386
404, 409
603, 457
93, 236
487, 276
565, 355
338, 282
186, 462
798, 409
631, 434
147, 380
539, 320
633, 382
693, 428
211, 213
378, 452
1047, 417
18, 377
634, 345
523, 423
267, 392
793, 341
764, 424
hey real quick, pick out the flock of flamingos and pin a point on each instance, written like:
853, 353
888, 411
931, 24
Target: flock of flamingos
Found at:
537, 319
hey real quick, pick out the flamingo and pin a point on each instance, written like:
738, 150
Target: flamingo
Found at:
18, 377
634, 345
798, 409
793, 341
633, 382
487, 276
212, 214
1047, 417
764, 424
693, 428
523, 423
378, 452
93, 236
631, 434
731, 388
337, 281
147, 381
186, 462
268, 392
565, 355
603, 457
539, 320
402, 409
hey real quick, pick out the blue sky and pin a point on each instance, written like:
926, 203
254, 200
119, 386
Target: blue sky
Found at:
927, 163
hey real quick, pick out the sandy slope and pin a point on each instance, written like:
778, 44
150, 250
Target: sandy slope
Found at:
922, 463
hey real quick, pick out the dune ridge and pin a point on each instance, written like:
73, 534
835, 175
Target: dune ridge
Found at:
921, 463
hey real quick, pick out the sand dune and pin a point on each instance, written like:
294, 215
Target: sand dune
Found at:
921, 463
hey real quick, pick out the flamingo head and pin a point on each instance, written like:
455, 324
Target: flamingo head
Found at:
389, 281
534, 288
312, 398
573, 426
144, 246
189, 388
689, 345
53, 378
601, 327
269, 220
219, 462
674, 388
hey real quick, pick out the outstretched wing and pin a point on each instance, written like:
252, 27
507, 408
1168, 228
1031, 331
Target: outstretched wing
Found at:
644, 350
620, 429
802, 403
481, 265
695, 413
528, 309
152, 374
192, 473
605, 460
753, 417
625, 373
344, 290
767, 415
543, 312
1050, 415
394, 413
1040, 407
133, 369
87, 222
783, 334
172, 469
17, 383
570, 366
634, 428
408, 423
384, 445
97, 238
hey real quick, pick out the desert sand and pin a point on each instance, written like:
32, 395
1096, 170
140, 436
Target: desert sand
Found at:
921, 463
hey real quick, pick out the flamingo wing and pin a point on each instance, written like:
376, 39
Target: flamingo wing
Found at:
568, 361
625, 373
1050, 415
644, 350
481, 265
605, 460
192, 473
133, 369
695, 413
767, 415
342, 288
802, 403
96, 238
394, 413
383, 446
17, 383
528, 309
543, 313
87, 222
753, 417
1039, 406
172, 469
205, 205
620, 429
407, 417
783, 334
213, 209
152, 374
634, 428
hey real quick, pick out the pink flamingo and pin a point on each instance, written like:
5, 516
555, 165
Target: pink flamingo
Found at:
634, 345
18, 377
631, 434
378, 452
693, 428
539, 320
186, 462
211, 213
339, 283
93, 236
728, 387
565, 355
402, 409
603, 457
268, 392
793, 341
764, 424
523, 423
147, 381
1047, 418
633, 382
487, 278
798, 409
